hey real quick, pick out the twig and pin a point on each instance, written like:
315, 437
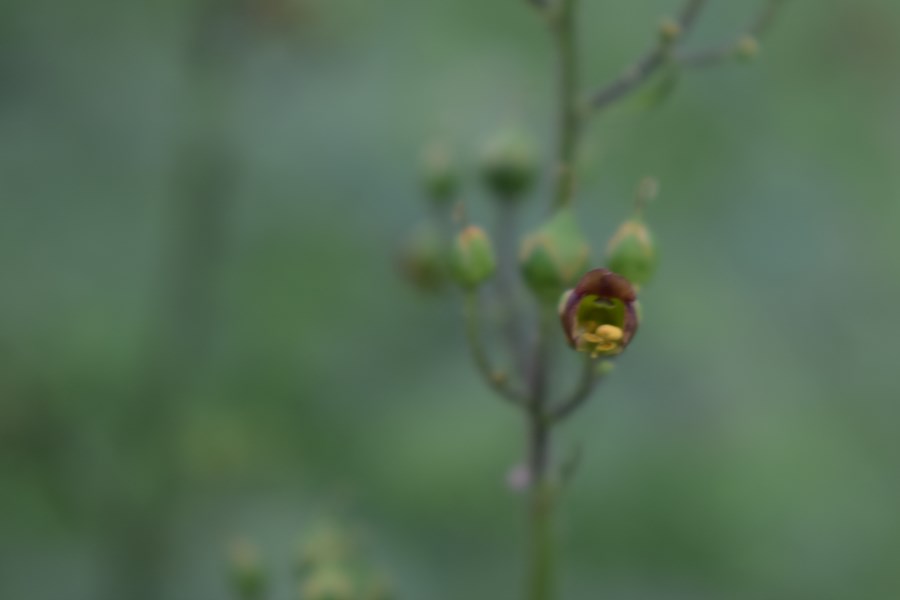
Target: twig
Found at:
589, 379
641, 71
497, 380
713, 56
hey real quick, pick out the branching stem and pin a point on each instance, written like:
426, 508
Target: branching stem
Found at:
758, 27
497, 380
641, 71
586, 384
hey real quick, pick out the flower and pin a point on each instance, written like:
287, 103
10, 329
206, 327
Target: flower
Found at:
600, 315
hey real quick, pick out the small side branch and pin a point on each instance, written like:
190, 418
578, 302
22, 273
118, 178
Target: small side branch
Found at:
497, 380
638, 73
586, 384
755, 30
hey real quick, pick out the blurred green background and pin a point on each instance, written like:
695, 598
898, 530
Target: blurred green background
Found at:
203, 335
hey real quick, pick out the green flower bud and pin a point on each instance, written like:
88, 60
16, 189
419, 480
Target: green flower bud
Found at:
555, 256
440, 174
472, 257
509, 166
328, 583
422, 259
631, 252
669, 30
247, 575
747, 48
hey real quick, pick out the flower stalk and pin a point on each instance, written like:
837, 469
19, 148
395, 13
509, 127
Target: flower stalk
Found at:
599, 315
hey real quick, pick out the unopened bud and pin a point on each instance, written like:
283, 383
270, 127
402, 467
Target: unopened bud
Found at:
555, 256
440, 174
747, 48
604, 367
631, 252
669, 30
422, 259
472, 258
509, 166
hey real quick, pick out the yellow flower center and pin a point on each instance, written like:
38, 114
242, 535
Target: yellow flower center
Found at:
601, 339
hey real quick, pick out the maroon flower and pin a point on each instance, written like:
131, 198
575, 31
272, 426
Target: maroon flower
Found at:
600, 315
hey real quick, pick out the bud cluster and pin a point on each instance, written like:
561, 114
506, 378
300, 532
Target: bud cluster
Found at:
598, 307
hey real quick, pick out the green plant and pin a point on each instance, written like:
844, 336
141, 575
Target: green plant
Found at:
597, 307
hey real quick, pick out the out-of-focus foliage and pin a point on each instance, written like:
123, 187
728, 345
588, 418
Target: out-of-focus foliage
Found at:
202, 335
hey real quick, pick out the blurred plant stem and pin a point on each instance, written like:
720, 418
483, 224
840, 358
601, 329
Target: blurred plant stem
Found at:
510, 309
541, 566
563, 28
182, 323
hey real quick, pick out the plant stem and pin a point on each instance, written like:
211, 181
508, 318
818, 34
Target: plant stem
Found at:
542, 567
563, 25
497, 380
641, 71
508, 284
540, 584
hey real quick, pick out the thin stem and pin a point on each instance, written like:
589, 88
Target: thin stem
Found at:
756, 29
641, 71
507, 283
568, 119
586, 384
497, 380
542, 571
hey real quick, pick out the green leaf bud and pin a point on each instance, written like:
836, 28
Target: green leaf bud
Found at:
555, 256
472, 258
632, 253
423, 258
440, 174
509, 166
